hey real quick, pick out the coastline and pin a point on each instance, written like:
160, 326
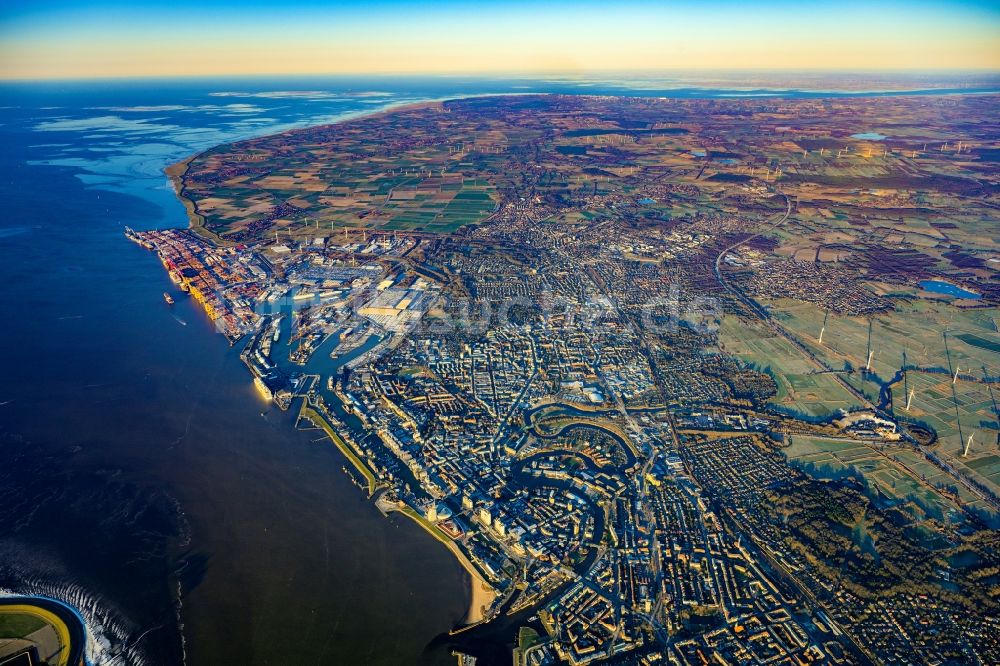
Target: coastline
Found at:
481, 593
196, 222
314, 417
176, 171
318, 570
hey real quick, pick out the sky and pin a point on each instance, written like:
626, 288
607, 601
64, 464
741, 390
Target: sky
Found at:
46, 39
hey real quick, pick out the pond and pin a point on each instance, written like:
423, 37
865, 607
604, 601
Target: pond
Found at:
941, 287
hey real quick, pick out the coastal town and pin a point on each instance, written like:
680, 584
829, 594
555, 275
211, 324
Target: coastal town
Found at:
645, 367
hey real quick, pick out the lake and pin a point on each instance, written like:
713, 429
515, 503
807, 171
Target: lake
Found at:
870, 136
948, 289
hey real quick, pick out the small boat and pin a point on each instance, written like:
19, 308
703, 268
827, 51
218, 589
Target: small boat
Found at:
168, 298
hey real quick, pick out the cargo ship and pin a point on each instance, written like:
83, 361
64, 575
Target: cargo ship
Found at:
176, 278
168, 298
263, 388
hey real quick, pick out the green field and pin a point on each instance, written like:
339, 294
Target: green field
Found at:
896, 477
956, 411
316, 182
915, 329
799, 387
936, 477
18, 625
934, 402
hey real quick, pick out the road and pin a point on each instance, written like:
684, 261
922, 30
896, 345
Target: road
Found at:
766, 318
819, 364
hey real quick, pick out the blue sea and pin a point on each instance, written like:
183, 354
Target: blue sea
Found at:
142, 479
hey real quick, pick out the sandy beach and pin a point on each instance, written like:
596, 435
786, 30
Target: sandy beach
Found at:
481, 593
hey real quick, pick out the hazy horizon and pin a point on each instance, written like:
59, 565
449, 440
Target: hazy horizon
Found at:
661, 78
111, 39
